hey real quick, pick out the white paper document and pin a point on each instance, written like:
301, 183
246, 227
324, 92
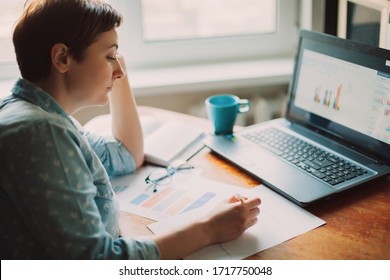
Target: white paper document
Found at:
279, 221
189, 197
186, 194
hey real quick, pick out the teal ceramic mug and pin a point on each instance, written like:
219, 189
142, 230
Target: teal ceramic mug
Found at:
223, 109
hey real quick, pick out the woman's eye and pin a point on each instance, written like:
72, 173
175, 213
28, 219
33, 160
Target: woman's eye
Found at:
112, 58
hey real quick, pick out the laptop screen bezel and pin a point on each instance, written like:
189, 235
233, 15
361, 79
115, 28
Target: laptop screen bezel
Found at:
354, 52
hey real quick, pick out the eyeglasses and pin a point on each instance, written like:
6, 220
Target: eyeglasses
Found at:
162, 177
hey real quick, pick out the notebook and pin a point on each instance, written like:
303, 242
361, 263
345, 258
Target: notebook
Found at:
336, 132
173, 140
164, 142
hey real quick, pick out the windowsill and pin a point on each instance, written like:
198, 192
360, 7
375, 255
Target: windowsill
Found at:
213, 77
178, 80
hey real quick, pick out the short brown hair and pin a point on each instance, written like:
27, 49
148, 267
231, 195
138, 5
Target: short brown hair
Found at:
44, 23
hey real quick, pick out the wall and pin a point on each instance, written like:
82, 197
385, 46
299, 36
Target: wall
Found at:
266, 103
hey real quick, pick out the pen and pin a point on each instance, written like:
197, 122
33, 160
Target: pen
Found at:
239, 197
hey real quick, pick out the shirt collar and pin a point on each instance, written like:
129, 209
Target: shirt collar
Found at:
32, 93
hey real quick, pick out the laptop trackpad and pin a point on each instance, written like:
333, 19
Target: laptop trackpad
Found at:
291, 181
248, 157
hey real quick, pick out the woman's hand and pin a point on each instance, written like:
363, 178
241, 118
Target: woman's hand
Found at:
232, 219
227, 222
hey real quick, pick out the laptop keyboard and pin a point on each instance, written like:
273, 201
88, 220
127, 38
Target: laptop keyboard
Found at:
316, 161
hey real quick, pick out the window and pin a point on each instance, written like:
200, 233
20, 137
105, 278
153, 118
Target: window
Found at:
10, 11
186, 19
363, 24
180, 32
367, 21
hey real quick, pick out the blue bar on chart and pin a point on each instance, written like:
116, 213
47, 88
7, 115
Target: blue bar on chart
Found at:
200, 202
139, 199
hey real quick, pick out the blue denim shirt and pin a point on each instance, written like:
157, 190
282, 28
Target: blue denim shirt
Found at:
56, 200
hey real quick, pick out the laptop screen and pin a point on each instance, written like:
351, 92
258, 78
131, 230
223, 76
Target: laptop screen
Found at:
352, 95
343, 88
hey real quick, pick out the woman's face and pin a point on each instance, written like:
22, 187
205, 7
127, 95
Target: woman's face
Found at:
90, 80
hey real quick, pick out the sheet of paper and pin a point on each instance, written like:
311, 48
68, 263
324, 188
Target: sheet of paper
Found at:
187, 193
279, 221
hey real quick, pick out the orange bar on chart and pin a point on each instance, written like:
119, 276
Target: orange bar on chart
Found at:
157, 198
336, 104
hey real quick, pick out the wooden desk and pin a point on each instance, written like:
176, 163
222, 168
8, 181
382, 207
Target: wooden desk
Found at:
357, 222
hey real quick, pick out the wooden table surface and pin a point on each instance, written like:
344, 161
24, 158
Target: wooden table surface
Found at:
357, 221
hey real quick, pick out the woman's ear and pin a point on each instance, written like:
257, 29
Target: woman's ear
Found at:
60, 58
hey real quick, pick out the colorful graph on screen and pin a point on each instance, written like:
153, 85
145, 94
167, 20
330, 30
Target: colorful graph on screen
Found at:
327, 97
381, 100
387, 108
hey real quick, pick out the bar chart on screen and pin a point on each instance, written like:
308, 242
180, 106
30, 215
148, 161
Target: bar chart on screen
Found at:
328, 99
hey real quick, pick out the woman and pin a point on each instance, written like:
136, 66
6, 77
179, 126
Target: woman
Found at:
56, 200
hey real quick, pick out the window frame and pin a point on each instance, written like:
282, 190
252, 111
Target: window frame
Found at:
382, 6
141, 55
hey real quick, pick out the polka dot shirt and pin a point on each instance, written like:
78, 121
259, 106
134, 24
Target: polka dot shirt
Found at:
56, 200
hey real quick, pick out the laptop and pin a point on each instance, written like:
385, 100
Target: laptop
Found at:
336, 131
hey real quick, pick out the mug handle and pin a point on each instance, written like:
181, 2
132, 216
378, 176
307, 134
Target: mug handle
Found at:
243, 105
